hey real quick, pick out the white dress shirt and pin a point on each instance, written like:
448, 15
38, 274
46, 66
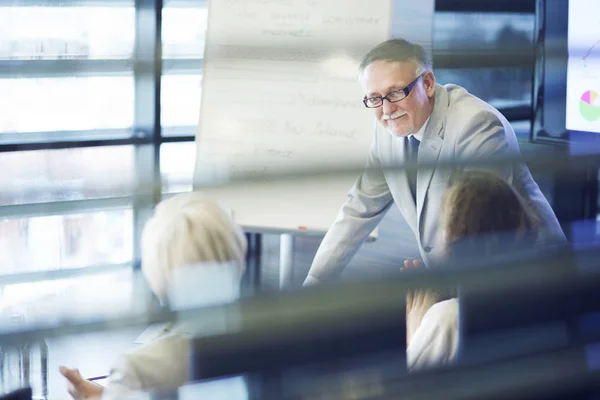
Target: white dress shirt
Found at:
420, 132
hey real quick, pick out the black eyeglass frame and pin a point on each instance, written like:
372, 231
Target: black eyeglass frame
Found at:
406, 92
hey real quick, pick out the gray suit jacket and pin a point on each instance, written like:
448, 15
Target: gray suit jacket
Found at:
461, 127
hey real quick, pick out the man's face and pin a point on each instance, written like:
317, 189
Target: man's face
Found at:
406, 116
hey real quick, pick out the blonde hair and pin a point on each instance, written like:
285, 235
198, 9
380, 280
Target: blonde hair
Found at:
188, 229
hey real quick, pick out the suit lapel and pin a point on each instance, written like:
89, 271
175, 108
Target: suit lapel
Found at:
429, 150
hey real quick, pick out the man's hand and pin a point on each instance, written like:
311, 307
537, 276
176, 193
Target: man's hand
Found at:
79, 388
418, 302
408, 264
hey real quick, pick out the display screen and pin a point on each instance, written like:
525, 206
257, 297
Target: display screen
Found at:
566, 100
583, 72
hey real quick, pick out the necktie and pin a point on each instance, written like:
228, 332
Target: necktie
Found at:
413, 146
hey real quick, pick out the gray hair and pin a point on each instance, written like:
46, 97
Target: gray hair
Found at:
399, 50
185, 230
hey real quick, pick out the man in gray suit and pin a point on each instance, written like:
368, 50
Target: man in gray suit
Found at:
420, 121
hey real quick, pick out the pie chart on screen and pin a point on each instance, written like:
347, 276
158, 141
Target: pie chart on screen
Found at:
589, 105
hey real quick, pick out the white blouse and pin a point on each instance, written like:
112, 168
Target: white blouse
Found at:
162, 363
435, 341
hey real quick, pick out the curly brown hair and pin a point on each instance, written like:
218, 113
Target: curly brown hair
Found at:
484, 212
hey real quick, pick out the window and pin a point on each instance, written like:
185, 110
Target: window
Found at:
83, 296
501, 87
66, 104
69, 174
482, 31
66, 69
177, 166
67, 77
180, 102
184, 37
58, 33
65, 241
184, 32
489, 54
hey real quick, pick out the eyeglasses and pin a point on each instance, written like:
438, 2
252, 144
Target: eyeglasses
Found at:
392, 97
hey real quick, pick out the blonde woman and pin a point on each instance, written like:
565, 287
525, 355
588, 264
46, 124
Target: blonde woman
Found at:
185, 230
483, 216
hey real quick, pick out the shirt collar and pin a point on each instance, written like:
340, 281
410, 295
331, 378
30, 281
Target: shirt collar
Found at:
419, 134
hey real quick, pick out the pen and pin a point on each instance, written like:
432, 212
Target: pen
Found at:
97, 378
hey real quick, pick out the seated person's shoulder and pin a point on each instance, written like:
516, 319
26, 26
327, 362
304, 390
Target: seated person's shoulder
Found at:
436, 340
162, 363
444, 313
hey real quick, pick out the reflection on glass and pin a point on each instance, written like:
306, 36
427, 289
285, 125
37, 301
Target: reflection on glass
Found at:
66, 104
33, 33
487, 31
69, 174
88, 296
184, 32
501, 87
65, 241
180, 100
477, 32
177, 166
